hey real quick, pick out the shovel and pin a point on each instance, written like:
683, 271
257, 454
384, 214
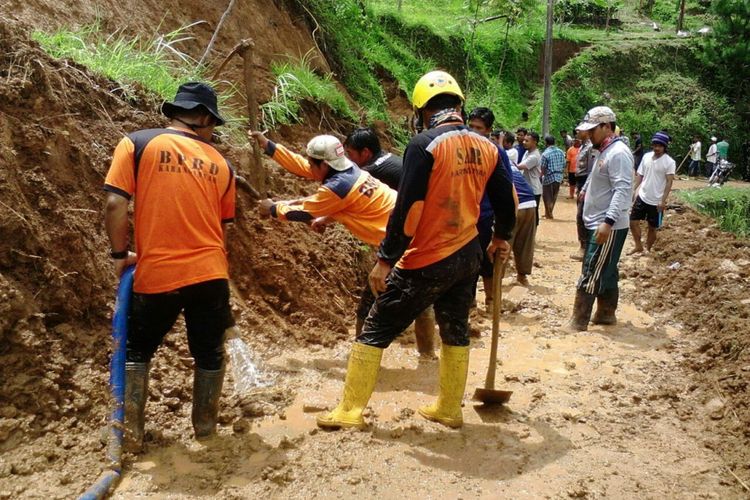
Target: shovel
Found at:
488, 394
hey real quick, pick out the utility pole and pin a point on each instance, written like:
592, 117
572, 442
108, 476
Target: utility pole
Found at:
547, 70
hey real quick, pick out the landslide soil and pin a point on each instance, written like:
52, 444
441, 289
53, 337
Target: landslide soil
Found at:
58, 126
652, 407
625, 411
655, 406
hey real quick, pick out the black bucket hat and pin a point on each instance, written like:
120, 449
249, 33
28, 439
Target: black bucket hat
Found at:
191, 95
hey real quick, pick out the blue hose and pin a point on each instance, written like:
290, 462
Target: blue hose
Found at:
109, 478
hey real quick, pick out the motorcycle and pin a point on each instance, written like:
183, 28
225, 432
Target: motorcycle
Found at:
721, 173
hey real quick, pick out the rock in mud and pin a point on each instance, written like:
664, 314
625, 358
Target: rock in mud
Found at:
715, 408
314, 407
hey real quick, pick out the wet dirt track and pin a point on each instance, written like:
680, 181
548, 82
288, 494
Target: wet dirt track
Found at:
593, 415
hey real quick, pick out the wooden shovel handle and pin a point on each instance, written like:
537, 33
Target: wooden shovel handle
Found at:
498, 273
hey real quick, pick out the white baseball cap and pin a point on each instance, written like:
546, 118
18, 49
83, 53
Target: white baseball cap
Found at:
596, 116
330, 150
713, 138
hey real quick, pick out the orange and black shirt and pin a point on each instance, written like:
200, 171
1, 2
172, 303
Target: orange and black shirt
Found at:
352, 197
184, 190
446, 171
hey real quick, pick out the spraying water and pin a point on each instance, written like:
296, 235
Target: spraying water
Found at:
246, 374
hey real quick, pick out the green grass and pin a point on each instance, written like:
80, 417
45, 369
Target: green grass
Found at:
156, 65
443, 32
730, 206
297, 82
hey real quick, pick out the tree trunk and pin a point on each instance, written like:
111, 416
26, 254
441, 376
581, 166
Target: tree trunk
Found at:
682, 16
547, 70
502, 61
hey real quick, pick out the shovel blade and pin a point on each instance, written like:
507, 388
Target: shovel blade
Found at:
492, 396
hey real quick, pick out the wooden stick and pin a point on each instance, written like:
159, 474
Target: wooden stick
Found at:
683, 161
236, 49
738, 479
252, 112
216, 32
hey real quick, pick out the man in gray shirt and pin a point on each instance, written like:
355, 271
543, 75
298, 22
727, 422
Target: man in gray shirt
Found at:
607, 196
531, 167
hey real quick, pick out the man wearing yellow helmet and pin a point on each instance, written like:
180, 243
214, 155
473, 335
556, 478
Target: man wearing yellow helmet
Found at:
431, 253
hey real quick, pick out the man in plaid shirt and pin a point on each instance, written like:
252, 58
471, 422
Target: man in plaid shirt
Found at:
553, 165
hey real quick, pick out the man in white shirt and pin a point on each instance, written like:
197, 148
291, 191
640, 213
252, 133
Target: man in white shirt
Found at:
531, 167
694, 169
711, 157
652, 187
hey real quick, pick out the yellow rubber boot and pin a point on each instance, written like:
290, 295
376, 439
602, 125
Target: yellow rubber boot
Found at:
454, 365
361, 375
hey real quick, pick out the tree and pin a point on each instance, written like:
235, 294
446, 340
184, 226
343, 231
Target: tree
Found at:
726, 51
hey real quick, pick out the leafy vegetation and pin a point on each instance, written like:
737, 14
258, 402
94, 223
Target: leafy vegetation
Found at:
726, 51
729, 205
666, 12
155, 64
491, 46
647, 93
586, 12
297, 82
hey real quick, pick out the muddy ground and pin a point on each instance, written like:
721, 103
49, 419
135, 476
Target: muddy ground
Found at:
655, 407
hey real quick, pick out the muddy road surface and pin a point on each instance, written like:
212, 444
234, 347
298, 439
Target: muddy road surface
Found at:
597, 414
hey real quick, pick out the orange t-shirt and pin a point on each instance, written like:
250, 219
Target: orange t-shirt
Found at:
572, 155
184, 190
447, 170
448, 218
352, 197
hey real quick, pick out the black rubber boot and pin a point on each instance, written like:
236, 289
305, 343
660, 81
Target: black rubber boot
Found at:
582, 307
606, 305
206, 394
136, 394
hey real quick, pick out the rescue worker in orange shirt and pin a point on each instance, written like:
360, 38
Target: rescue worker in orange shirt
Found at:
185, 193
348, 195
431, 253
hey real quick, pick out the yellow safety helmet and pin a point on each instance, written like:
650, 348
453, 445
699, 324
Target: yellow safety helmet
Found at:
432, 84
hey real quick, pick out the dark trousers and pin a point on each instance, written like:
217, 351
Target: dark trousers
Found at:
448, 284
538, 198
582, 235
207, 314
549, 195
599, 271
709, 169
694, 169
485, 230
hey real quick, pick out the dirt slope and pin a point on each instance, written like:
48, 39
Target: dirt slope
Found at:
58, 126
656, 407
700, 276
279, 31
